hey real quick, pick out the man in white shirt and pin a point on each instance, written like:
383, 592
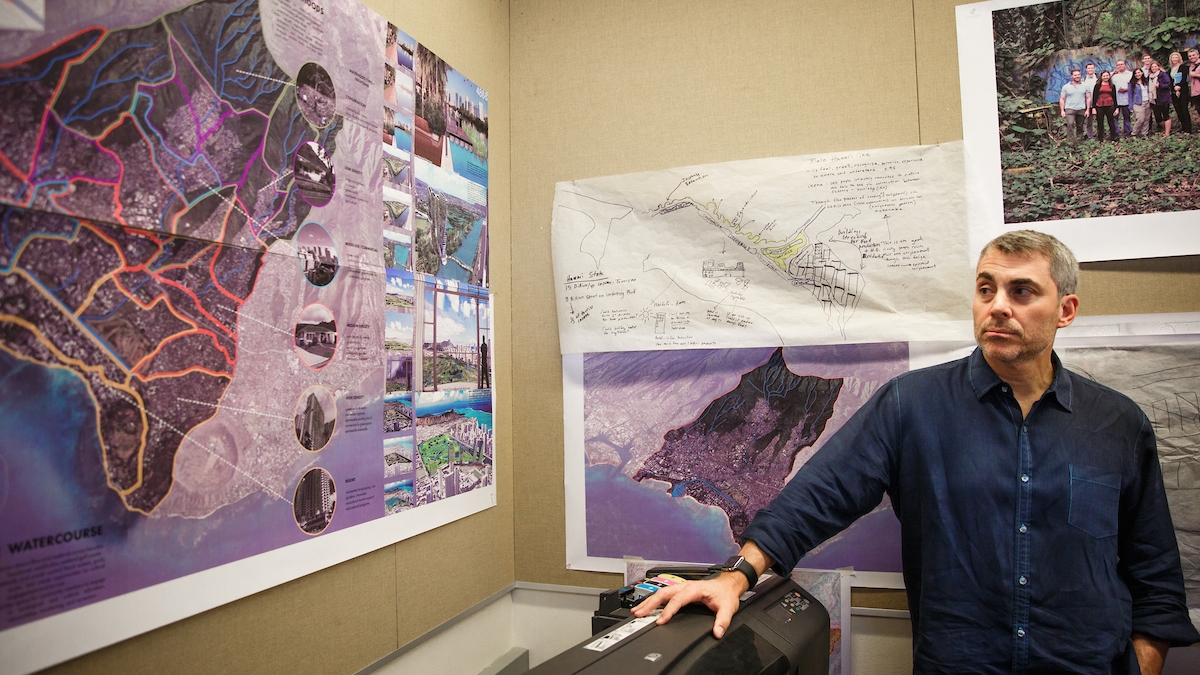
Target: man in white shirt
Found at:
1120, 81
1075, 104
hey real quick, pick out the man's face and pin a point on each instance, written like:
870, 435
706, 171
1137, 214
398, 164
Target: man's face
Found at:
1091, 70
1146, 60
1194, 56
1120, 66
1017, 309
1075, 76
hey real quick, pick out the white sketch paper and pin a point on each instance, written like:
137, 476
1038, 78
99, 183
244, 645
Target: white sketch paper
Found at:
818, 249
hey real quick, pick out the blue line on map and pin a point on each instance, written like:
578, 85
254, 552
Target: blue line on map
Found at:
69, 312
96, 76
50, 65
53, 152
162, 216
109, 314
237, 269
162, 258
68, 281
183, 24
680, 489
62, 185
43, 235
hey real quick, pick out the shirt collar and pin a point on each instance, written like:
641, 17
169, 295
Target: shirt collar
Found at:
984, 379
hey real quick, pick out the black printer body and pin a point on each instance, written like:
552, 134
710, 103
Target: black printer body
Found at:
779, 629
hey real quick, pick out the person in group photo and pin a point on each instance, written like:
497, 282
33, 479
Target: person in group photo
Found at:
1120, 79
1180, 95
1104, 94
1074, 104
1089, 81
1139, 102
1146, 61
1194, 76
1161, 105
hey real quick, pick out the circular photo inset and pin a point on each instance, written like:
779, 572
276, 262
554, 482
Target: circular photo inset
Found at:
315, 501
316, 417
315, 94
313, 171
316, 336
318, 257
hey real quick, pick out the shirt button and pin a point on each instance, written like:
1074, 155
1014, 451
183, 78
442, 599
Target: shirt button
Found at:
1025, 428
1022, 529
1004, 389
1024, 478
1020, 632
1022, 581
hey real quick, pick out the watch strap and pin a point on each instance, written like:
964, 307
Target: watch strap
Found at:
739, 564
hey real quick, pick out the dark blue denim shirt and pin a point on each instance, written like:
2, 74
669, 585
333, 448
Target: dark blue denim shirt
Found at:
1029, 546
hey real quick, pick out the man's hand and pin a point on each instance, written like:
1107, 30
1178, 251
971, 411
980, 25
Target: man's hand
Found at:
720, 595
1151, 653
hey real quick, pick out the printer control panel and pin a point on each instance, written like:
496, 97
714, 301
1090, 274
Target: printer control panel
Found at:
787, 607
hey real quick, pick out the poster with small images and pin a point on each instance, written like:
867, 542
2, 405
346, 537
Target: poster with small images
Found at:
438, 321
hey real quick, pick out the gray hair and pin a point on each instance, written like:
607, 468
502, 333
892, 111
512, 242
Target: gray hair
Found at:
1063, 267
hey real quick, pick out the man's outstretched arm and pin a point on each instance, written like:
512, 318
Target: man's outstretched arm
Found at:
721, 594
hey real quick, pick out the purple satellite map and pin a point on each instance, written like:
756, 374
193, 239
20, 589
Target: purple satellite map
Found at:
684, 447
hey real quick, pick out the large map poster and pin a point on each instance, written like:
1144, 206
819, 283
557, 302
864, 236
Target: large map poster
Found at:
676, 451
194, 380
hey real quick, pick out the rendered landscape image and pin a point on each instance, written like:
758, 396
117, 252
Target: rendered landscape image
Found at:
738, 453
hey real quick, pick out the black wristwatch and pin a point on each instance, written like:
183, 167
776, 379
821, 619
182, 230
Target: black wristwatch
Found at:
739, 564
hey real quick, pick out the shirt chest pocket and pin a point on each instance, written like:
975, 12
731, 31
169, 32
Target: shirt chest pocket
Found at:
1095, 500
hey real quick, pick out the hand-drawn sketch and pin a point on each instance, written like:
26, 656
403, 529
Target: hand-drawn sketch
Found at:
798, 250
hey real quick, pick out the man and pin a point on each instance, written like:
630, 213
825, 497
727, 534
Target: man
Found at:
1146, 61
1089, 81
1035, 533
1193, 65
1074, 104
1120, 81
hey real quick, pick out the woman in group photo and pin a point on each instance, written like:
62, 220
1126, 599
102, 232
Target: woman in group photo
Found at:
1161, 81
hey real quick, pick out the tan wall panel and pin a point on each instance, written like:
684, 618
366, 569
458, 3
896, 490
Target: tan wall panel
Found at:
348, 616
937, 71
619, 86
332, 621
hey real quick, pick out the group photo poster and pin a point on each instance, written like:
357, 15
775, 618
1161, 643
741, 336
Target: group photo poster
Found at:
1091, 161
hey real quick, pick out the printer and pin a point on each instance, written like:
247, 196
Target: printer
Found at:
779, 629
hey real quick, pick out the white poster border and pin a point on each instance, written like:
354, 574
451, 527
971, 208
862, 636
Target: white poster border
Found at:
40, 644
1091, 239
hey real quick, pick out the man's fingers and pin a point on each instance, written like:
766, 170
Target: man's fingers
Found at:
679, 600
724, 616
651, 603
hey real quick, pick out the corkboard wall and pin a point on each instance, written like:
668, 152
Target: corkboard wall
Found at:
346, 617
616, 86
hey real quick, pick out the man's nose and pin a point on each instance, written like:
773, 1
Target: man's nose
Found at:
1001, 307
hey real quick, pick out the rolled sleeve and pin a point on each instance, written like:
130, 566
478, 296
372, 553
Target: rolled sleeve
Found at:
844, 480
1149, 561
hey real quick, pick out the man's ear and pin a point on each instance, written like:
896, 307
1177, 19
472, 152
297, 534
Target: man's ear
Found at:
1068, 307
